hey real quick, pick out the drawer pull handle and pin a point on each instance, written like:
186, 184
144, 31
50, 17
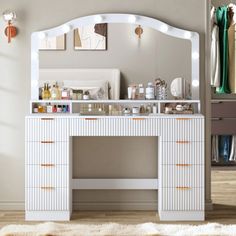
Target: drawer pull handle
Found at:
183, 118
183, 188
47, 188
47, 165
47, 118
183, 165
182, 142
47, 141
138, 118
91, 118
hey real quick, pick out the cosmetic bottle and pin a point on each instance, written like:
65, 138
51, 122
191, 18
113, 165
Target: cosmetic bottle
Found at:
49, 108
46, 93
141, 92
54, 109
55, 92
154, 109
150, 91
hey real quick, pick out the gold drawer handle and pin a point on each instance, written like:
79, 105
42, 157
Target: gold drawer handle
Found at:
182, 142
182, 165
138, 118
183, 118
91, 118
47, 118
47, 141
47, 165
183, 188
47, 188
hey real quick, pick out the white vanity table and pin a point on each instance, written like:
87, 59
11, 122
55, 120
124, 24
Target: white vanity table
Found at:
180, 182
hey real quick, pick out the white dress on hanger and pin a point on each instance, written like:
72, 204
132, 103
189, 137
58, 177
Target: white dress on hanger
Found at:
215, 52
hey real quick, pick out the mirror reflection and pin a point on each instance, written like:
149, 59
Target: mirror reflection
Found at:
141, 54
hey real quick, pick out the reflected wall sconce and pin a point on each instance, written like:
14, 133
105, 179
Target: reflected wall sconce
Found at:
10, 30
139, 31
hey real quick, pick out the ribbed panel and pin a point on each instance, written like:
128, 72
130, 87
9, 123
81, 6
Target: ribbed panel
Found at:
186, 153
47, 130
52, 153
182, 200
114, 127
190, 176
189, 130
53, 176
47, 200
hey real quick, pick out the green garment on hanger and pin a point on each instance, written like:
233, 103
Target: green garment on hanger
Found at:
223, 23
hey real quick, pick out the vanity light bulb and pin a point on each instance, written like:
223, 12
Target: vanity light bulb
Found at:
195, 83
188, 35
98, 18
164, 28
34, 56
42, 35
34, 84
195, 55
66, 28
132, 19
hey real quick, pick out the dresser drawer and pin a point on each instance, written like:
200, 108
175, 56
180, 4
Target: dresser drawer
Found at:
223, 109
47, 199
47, 175
182, 129
223, 126
125, 126
182, 153
47, 129
182, 199
182, 175
54, 153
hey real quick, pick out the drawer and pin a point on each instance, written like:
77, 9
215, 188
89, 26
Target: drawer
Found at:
54, 153
182, 129
223, 109
51, 199
47, 175
47, 129
182, 199
182, 153
125, 126
223, 126
182, 175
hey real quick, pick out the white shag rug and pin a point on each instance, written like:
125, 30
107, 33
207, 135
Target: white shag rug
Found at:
58, 229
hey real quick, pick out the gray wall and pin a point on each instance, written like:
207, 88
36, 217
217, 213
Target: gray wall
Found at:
15, 95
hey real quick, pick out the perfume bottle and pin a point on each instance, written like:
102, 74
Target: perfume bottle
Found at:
55, 92
46, 93
141, 92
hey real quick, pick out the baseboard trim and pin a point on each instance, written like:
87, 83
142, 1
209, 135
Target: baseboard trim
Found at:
12, 206
119, 206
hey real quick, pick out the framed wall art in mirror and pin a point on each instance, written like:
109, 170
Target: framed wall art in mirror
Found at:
53, 43
91, 37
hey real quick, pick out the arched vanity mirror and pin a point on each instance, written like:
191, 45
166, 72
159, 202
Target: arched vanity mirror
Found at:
146, 26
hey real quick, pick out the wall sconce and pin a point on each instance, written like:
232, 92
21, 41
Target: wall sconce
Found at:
10, 30
139, 31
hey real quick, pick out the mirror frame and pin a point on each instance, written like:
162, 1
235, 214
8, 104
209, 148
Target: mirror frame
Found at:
115, 18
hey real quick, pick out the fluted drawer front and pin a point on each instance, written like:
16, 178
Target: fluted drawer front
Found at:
47, 175
177, 199
47, 129
55, 153
47, 199
178, 129
182, 175
185, 152
130, 126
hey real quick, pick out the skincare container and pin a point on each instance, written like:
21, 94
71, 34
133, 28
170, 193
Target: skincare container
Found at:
154, 109
141, 92
130, 92
135, 110
49, 108
150, 91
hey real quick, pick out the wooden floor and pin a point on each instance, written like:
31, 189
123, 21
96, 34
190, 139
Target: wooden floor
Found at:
223, 195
